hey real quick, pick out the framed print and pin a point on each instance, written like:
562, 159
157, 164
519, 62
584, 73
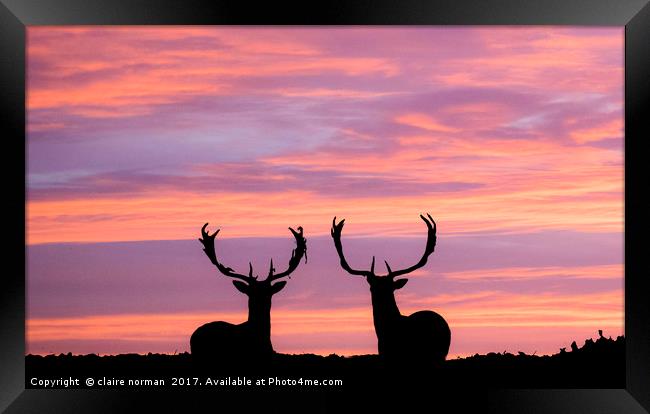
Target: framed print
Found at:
393, 204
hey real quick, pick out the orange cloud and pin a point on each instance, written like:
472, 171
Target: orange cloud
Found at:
587, 201
546, 309
473, 318
611, 129
424, 122
141, 72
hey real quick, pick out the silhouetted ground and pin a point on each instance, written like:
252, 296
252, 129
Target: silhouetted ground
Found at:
597, 364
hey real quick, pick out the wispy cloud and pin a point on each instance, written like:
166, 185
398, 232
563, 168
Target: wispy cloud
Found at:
518, 273
329, 330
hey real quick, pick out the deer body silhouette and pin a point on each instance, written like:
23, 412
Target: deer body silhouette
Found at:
250, 340
423, 336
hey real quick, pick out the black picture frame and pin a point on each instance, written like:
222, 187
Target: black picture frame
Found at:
15, 15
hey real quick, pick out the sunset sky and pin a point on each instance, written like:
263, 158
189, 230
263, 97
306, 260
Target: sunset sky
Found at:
510, 137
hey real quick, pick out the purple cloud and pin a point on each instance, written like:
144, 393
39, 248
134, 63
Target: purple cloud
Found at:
173, 276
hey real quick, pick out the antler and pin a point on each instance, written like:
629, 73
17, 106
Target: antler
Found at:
430, 247
208, 247
336, 235
296, 256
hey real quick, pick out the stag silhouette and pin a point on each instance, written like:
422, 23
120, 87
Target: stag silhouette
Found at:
421, 337
250, 340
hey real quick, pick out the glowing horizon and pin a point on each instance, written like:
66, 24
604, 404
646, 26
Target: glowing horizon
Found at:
511, 138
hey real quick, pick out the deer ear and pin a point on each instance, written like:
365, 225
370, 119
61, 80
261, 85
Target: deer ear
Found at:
241, 286
277, 287
399, 283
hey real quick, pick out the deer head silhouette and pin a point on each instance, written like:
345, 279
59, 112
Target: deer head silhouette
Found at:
420, 337
251, 339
